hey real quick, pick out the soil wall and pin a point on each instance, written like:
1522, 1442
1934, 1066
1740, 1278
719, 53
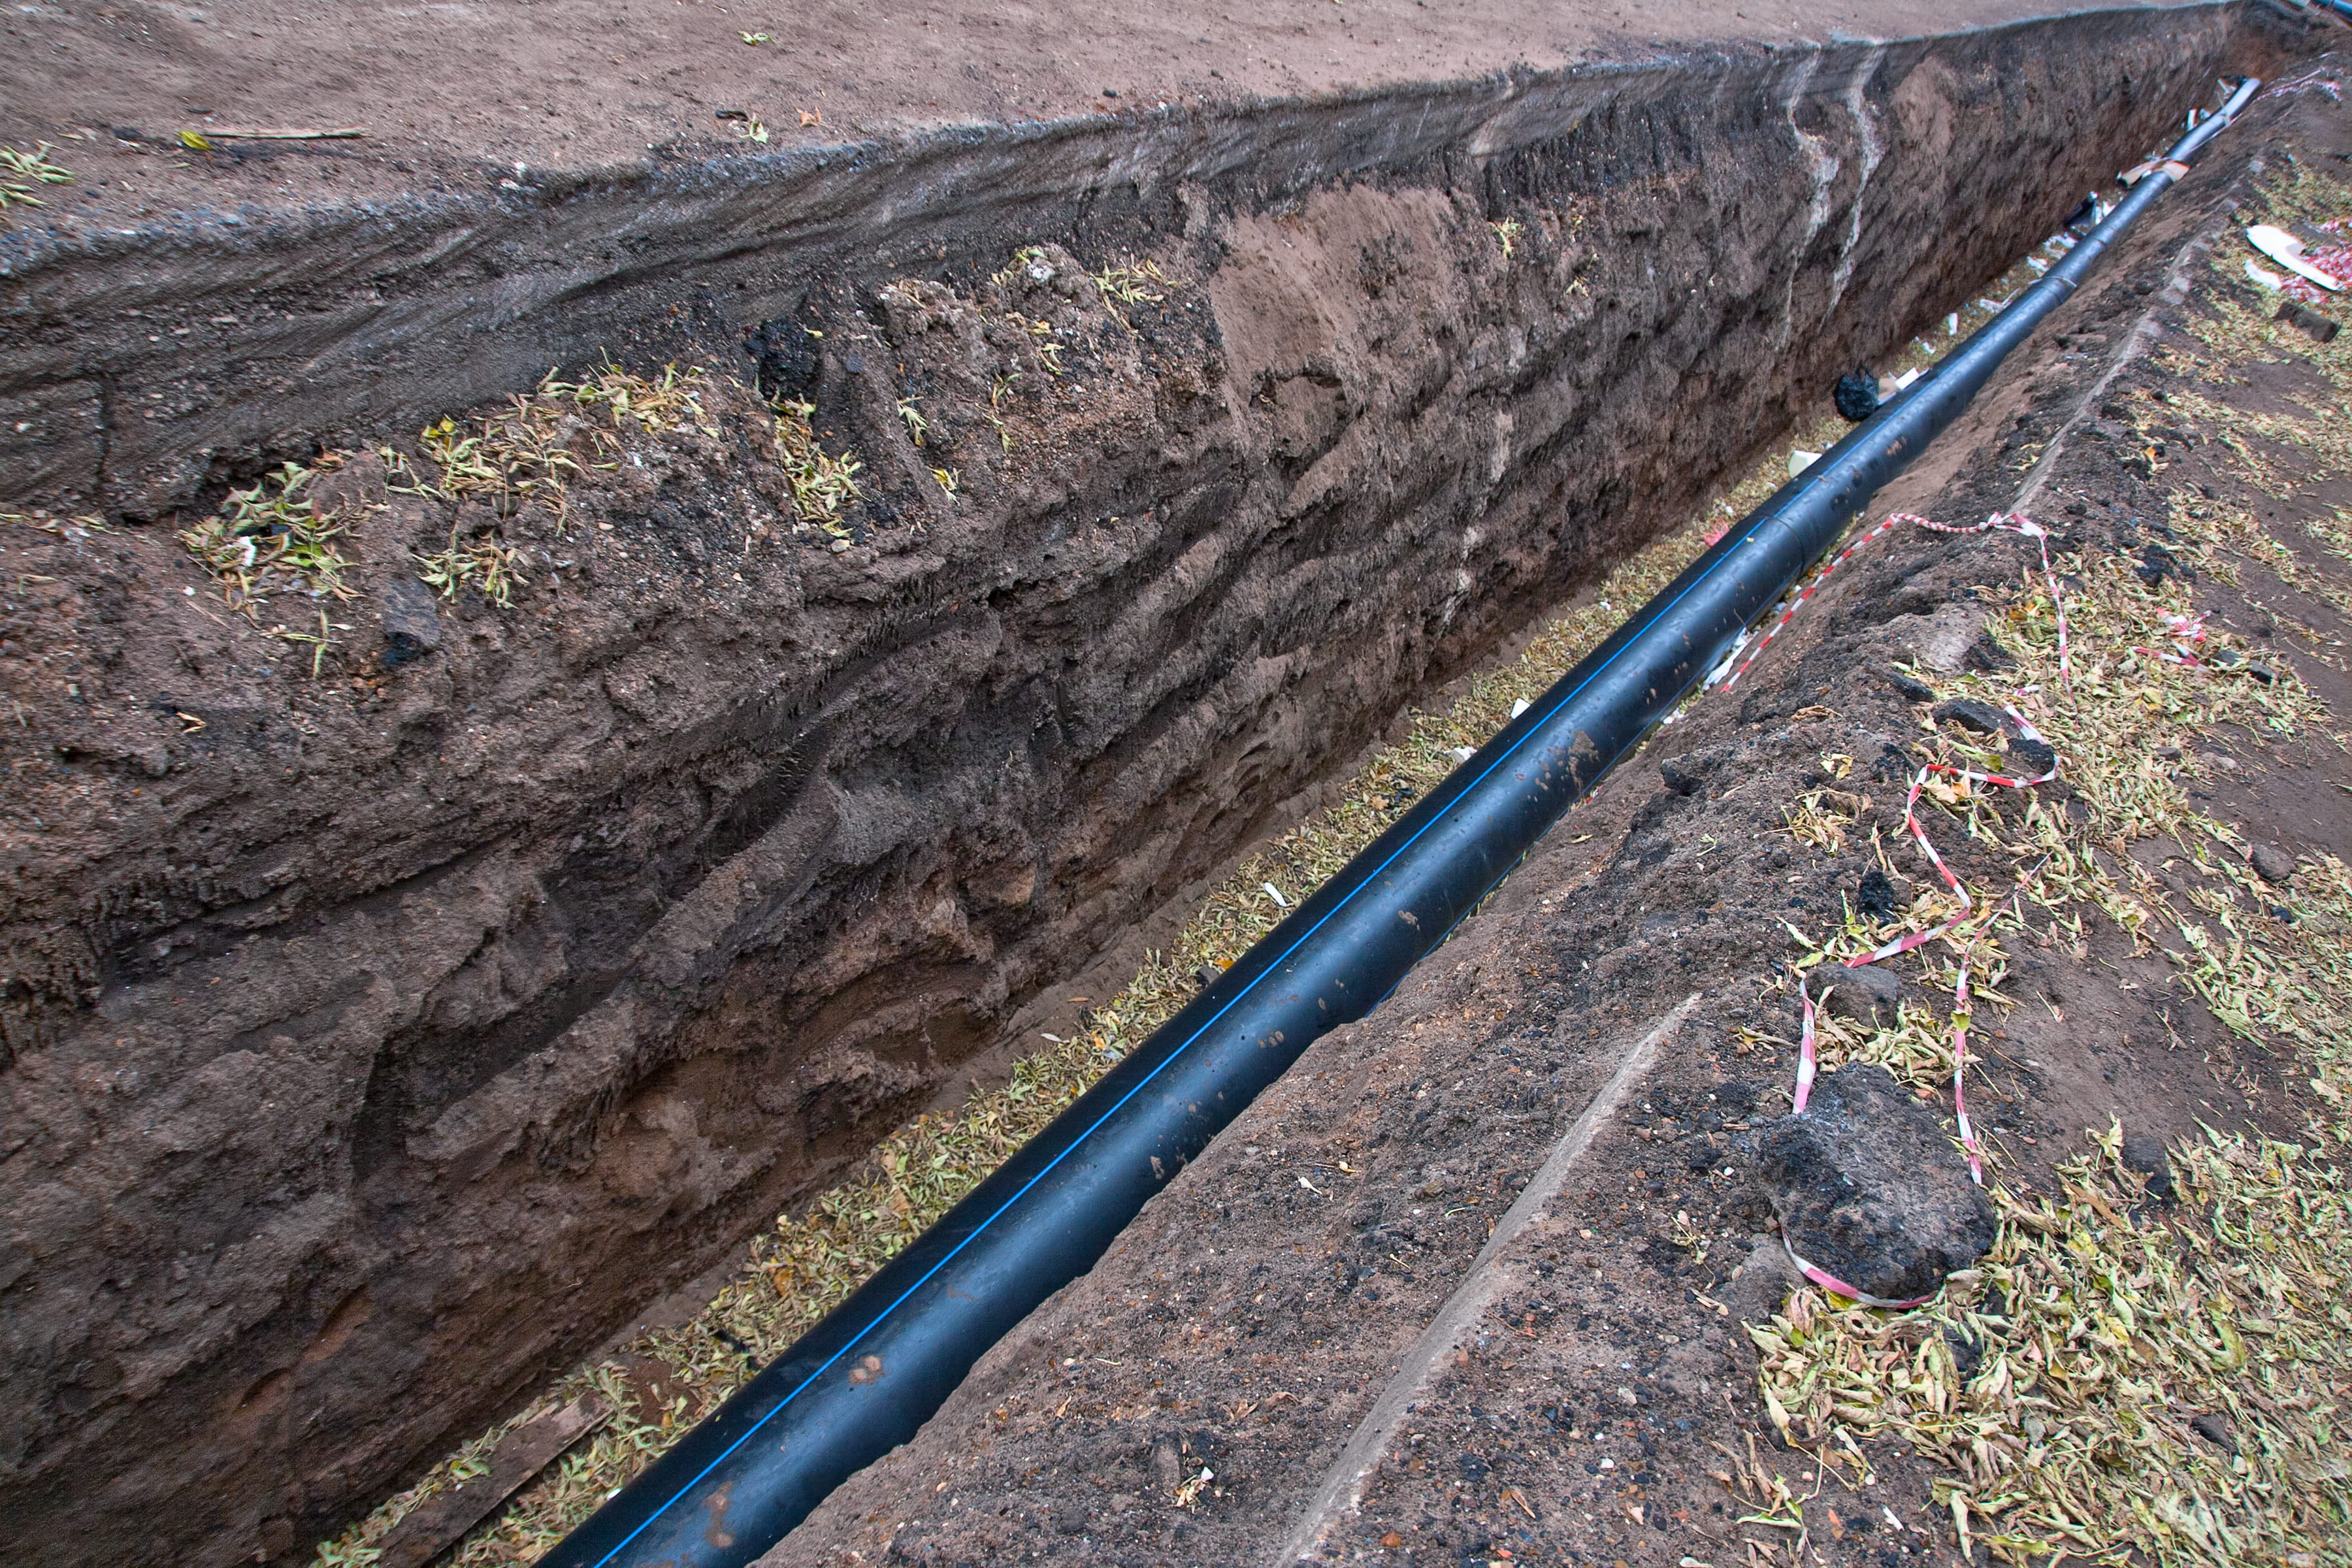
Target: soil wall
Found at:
387, 1020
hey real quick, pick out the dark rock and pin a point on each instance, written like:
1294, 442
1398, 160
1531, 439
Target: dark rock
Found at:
2157, 563
1969, 714
2318, 328
412, 621
1869, 995
1857, 395
1868, 1187
2144, 1152
1876, 896
2031, 758
2215, 1428
2262, 672
2270, 863
1911, 688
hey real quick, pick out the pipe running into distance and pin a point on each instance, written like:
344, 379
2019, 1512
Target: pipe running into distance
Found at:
862, 1381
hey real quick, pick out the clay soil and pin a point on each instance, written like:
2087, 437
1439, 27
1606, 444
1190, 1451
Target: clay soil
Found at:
1249, 1319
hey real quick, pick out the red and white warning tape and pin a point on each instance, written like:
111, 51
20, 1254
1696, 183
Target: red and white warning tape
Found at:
2187, 630
1969, 920
2008, 522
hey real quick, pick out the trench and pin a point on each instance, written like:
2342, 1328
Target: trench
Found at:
612, 920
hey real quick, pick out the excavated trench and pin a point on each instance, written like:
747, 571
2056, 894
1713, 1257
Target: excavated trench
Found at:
391, 1017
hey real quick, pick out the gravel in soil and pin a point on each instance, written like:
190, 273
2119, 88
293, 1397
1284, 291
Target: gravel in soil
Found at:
2153, 1012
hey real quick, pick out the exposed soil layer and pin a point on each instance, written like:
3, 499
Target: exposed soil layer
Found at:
178, 318
1262, 1303
404, 992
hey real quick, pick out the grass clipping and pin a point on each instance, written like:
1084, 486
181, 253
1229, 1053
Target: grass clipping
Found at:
2145, 1381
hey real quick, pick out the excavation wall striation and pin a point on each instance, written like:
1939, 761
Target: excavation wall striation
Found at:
387, 1020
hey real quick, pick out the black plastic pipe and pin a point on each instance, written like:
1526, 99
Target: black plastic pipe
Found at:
862, 1381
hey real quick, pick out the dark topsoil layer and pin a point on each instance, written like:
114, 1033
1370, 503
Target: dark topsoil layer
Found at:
1256, 1307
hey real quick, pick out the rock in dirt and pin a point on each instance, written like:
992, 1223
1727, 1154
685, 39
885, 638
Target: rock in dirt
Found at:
1857, 395
1969, 714
1940, 641
1909, 687
2270, 863
1761, 1282
2319, 328
2144, 1152
2031, 758
2215, 1429
412, 621
1880, 896
1867, 1186
1869, 995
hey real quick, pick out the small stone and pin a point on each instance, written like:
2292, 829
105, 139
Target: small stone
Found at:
1391, 1540
1762, 1281
2270, 863
412, 621
2262, 672
1910, 687
2318, 328
2215, 1428
2144, 1152
1969, 714
1685, 775
2032, 759
1856, 396
1940, 641
1868, 1187
1869, 995
2157, 563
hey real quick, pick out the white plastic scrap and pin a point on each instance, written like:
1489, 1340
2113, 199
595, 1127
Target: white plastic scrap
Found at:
1275, 894
1800, 459
1518, 707
1903, 383
2287, 251
2264, 276
1952, 322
